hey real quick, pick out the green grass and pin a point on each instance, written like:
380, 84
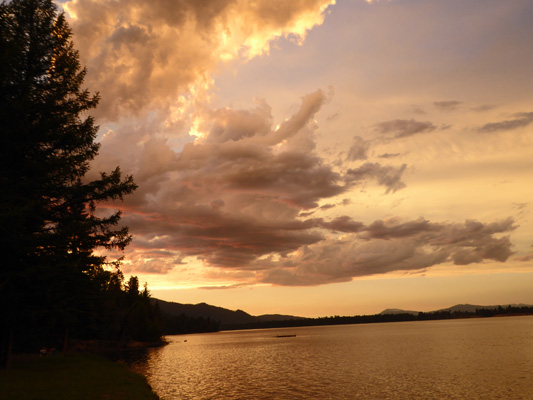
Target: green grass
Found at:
71, 376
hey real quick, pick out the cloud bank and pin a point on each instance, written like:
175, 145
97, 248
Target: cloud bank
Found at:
241, 199
231, 188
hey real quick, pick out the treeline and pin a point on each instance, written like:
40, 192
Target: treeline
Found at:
56, 282
103, 309
378, 318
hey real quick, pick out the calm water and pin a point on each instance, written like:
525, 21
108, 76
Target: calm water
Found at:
459, 359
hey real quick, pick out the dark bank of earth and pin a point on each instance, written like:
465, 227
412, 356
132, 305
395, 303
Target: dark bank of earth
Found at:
71, 376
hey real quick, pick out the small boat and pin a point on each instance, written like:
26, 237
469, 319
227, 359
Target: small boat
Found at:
285, 335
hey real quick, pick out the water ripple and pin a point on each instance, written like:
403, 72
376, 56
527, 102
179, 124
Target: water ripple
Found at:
458, 359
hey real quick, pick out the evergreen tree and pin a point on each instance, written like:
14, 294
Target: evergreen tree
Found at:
48, 223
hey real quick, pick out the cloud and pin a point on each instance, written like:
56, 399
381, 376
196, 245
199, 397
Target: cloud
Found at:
149, 55
344, 224
409, 246
241, 193
525, 257
404, 128
389, 155
392, 229
521, 120
231, 188
416, 109
484, 107
230, 196
359, 149
244, 198
387, 176
447, 105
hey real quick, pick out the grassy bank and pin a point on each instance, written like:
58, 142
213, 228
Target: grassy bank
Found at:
71, 376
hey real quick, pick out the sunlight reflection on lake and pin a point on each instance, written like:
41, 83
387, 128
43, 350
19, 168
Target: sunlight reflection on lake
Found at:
456, 359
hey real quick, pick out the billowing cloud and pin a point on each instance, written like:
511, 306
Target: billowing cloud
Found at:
401, 128
149, 55
520, 120
237, 191
241, 198
241, 192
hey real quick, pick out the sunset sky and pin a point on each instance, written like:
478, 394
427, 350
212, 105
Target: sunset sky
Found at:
311, 158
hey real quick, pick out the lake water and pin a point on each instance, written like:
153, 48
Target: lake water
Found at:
457, 359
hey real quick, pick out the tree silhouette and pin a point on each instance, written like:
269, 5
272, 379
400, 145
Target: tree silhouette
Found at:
48, 222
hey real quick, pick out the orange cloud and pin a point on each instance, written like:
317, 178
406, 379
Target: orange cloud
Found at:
143, 55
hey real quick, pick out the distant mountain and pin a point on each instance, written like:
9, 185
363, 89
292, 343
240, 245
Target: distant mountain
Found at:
467, 308
473, 308
395, 311
458, 307
223, 315
238, 319
197, 318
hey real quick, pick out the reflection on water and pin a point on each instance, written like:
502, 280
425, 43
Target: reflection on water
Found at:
457, 359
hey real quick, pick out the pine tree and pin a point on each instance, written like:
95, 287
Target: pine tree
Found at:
48, 223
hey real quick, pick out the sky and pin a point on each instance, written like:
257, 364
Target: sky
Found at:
315, 157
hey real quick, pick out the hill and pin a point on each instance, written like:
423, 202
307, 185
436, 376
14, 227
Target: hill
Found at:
196, 318
464, 308
226, 318
473, 308
395, 311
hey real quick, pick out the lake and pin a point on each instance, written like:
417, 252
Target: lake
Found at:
488, 358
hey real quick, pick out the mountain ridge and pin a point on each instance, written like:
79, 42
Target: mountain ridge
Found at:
455, 308
225, 316
228, 318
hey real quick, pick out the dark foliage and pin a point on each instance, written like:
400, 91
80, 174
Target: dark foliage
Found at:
52, 283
